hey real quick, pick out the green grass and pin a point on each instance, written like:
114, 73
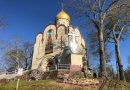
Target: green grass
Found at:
44, 85
53, 85
116, 85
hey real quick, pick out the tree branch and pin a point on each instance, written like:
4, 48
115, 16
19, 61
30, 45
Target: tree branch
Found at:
121, 31
109, 7
113, 31
92, 20
99, 5
94, 12
104, 1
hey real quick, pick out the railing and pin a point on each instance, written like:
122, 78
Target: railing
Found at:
64, 66
10, 72
2, 72
59, 67
7, 72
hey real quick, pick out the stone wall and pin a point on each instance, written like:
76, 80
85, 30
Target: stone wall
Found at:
32, 75
40, 75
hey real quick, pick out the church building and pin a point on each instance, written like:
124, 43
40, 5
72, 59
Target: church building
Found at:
59, 45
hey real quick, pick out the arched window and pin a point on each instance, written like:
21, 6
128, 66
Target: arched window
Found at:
49, 42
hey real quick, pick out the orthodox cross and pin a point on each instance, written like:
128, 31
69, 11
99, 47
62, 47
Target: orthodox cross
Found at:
62, 6
73, 34
73, 44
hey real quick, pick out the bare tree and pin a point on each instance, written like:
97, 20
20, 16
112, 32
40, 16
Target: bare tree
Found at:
118, 20
28, 52
117, 38
127, 74
15, 53
94, 44
96, 12
20, 52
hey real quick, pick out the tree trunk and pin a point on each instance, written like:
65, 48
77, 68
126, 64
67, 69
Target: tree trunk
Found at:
118, 60
103, 72
102, 55
87, 56
26, 64
117, 68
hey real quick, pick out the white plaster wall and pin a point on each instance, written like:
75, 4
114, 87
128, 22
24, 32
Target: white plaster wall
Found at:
76, 60
37, 50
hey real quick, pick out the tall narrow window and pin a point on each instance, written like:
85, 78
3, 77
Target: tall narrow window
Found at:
49, 42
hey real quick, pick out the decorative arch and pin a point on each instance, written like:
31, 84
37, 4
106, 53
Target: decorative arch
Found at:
62, 26
47, 61
49, 38
39, 39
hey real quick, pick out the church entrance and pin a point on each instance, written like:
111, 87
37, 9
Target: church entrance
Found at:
51, 65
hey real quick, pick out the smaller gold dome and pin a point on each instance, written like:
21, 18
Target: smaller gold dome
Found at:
62, 15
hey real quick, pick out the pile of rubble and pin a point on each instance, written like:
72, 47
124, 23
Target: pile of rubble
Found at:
40, 75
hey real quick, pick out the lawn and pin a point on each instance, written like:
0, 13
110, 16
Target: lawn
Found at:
53, 85
44, 85
116, 85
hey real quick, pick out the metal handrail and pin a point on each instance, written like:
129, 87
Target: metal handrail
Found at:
60, 67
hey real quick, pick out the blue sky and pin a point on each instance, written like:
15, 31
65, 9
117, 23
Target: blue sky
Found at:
26, 18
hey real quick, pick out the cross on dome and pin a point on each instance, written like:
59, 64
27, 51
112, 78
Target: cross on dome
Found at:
62, 14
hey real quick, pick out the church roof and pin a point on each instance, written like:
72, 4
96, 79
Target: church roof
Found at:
62, 15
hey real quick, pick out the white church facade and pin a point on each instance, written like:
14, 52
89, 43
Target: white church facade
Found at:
59, 43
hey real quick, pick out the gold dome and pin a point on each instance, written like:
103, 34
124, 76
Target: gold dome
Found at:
62, 15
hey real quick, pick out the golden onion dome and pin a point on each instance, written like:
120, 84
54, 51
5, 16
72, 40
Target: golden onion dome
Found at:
62, 15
